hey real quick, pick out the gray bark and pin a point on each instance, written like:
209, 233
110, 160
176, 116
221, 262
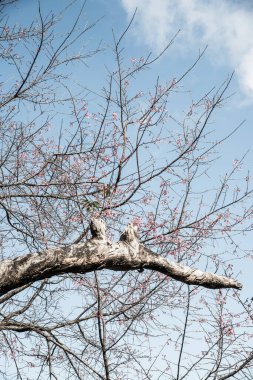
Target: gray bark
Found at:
99, 253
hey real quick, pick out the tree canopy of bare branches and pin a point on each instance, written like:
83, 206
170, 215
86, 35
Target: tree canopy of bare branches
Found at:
76, 303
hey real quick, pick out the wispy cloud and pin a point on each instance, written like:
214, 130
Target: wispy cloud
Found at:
225, 25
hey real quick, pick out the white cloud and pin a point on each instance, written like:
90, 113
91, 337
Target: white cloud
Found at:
225, 25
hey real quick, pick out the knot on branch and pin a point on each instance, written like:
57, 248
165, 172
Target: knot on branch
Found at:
98, 229
130, 236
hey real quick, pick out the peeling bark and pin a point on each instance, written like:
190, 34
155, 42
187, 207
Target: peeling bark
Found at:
99, 253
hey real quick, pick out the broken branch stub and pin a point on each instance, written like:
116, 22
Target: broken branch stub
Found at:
98, 229
130, 237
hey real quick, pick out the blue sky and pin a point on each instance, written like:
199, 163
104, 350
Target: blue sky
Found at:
225, 26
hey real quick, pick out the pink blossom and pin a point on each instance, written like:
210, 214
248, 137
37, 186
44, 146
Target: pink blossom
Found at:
230, 331
106, 159
136, 221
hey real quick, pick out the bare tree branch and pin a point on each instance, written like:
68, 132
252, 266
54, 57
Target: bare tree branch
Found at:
238, 368
99, 253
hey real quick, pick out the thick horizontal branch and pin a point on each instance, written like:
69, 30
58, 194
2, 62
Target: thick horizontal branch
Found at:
99, 253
